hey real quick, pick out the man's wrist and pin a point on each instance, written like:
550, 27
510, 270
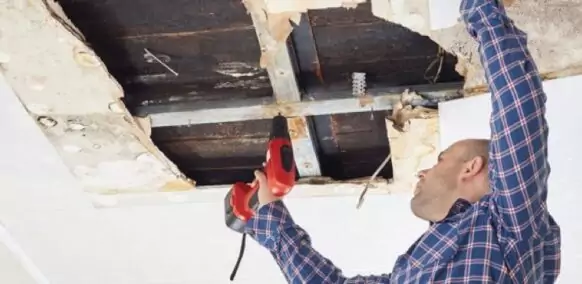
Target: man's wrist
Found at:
482, 14
269, 220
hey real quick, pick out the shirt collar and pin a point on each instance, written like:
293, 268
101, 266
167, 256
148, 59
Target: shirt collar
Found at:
460, 206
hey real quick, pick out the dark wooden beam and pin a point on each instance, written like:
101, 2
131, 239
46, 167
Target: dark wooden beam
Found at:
306, 53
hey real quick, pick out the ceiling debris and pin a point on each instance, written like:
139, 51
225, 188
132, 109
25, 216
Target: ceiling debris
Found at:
67, 89
403, 112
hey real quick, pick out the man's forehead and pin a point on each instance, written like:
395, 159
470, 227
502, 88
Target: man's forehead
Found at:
440, 156
454, 148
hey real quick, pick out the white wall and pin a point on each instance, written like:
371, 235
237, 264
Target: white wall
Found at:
54, 223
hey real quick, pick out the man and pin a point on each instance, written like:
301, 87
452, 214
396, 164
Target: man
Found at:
485, 200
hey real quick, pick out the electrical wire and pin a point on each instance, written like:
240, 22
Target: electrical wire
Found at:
440, 60
240, 256
361, 199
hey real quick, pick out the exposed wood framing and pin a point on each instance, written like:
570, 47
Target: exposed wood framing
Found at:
306, 52
315, 103
285, 89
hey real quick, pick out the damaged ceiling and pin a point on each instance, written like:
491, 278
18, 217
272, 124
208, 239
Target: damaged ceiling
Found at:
213, 48
168, 55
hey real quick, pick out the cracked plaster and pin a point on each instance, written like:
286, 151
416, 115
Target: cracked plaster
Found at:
68, 90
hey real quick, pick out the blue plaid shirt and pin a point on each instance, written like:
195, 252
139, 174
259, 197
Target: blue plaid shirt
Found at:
506, 237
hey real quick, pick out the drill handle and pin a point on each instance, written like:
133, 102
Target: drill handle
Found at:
242, 194
280, 168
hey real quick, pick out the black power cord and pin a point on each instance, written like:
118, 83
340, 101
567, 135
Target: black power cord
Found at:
240, 256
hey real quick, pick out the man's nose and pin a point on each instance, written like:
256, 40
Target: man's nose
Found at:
421, 174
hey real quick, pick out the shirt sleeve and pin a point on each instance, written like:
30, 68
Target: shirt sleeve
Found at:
518, 168
273, 228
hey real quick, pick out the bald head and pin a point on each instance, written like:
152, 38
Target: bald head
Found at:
471, 148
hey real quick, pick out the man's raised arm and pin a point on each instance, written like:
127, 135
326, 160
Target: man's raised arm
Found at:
518, 168
273, 228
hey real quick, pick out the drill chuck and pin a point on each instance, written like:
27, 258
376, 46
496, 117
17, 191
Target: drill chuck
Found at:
279, 128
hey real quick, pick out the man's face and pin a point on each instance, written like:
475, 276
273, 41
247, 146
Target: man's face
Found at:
436, 190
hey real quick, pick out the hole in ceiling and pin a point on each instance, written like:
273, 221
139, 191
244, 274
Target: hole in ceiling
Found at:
206, 46
349, 146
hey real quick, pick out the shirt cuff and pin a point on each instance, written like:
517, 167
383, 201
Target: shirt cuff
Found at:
267, 224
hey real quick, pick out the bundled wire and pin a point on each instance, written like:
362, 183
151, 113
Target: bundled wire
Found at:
440, 58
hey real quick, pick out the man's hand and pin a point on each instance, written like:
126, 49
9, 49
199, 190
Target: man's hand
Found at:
265, 195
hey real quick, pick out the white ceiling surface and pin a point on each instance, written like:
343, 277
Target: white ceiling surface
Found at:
15, 267
48, 215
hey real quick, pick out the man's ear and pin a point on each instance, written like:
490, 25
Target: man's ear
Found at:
474, 166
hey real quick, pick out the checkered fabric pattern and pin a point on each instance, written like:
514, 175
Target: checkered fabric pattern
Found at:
506, 237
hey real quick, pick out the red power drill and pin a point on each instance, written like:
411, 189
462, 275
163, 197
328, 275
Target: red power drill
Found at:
242, 201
